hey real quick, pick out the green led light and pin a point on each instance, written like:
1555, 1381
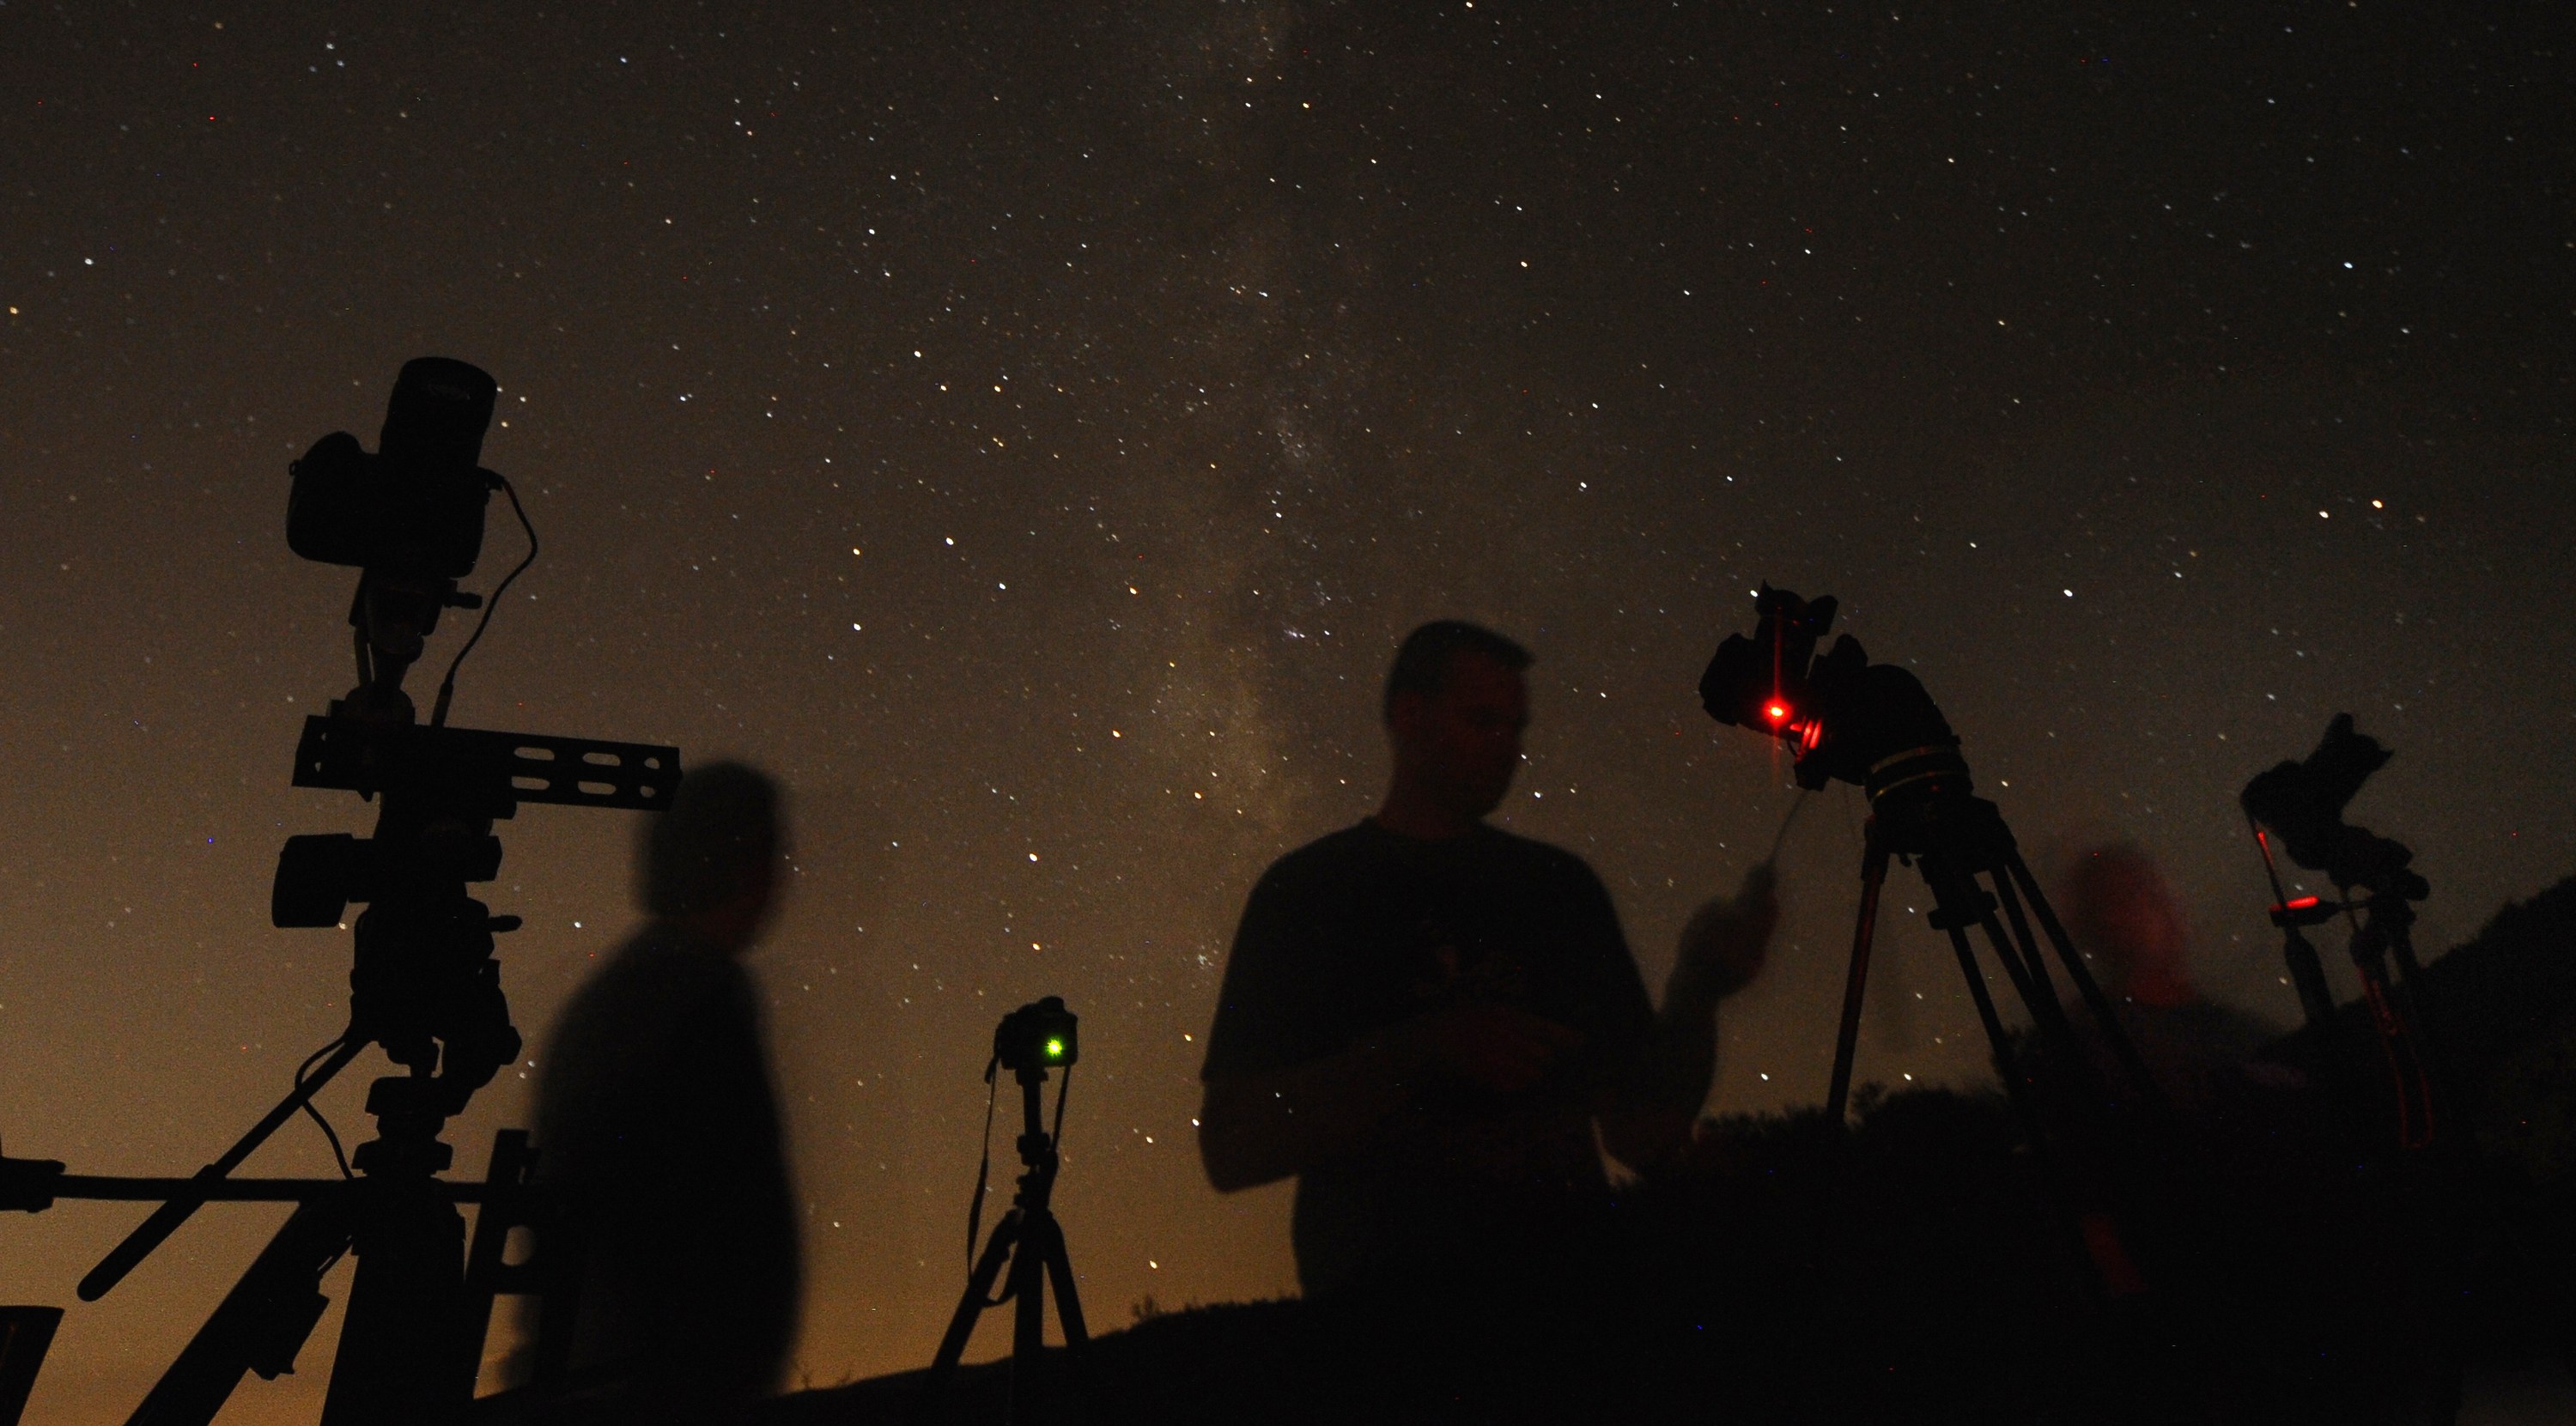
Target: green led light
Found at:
1055, 1049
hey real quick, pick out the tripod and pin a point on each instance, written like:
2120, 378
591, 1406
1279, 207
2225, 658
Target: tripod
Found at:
2303, 804
1031, 1242
2386, 929
426, 988
1930, 819
414, 1333
1922, 811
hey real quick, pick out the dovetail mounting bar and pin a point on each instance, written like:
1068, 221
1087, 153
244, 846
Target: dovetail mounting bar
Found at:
500, 769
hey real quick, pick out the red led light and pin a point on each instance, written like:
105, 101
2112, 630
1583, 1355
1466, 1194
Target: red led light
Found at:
2300, 903
1776, 712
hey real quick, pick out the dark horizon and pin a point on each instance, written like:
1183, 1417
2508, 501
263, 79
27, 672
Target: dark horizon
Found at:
1030, 436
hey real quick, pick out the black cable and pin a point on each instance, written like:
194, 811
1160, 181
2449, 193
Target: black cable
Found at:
324, 1124
316, 1057
491, 606
1782, 836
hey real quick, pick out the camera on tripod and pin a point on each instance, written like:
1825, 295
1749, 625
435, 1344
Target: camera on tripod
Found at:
1037, 1037
410, 518
1847, 719
1850, 720
2303, 802
414, 508
1028, 1244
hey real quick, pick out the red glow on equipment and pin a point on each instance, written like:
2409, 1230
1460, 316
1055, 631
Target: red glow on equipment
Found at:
2301, 903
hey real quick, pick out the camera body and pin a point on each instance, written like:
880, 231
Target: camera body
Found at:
1037, 1037
1846, 718
2304, 802
414, 508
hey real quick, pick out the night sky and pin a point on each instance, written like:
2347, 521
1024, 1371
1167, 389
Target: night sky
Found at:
1028, 429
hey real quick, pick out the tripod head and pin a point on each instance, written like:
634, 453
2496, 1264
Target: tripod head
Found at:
424, 984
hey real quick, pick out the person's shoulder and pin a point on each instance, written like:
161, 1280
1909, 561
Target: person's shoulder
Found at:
657, 993
1325, 858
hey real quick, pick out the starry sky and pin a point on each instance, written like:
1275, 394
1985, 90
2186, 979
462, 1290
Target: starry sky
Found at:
1028, 430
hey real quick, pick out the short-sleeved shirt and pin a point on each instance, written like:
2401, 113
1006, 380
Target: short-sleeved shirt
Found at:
1368, 927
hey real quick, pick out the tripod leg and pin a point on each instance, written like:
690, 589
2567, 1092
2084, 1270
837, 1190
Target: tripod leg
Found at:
2007, 955
403, 1358
1959, 901
1873, 876
511, 1164
2388, 920
2408, 1084
2015, 1089
2038, 991
1028, 1325
165, 1220
997, 1251
2122, 1048
1068, 1312
1068, 1305
260, 1324
2101, 1264
2032, 953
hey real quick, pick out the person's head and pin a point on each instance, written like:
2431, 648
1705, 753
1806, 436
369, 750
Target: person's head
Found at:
1455, 708
2119, 908
712, 859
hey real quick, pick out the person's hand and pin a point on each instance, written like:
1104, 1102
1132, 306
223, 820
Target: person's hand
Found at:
1725, 944
1495, 1047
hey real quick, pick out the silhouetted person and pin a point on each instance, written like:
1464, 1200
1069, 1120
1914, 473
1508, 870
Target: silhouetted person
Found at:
658, 1126
1424, 1017
2118, 908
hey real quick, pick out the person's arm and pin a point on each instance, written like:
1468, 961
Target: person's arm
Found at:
1259, 1128
1658, 1098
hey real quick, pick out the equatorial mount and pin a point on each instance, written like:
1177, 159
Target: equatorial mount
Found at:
424, 985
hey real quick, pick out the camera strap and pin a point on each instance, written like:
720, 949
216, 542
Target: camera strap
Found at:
983, 1169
